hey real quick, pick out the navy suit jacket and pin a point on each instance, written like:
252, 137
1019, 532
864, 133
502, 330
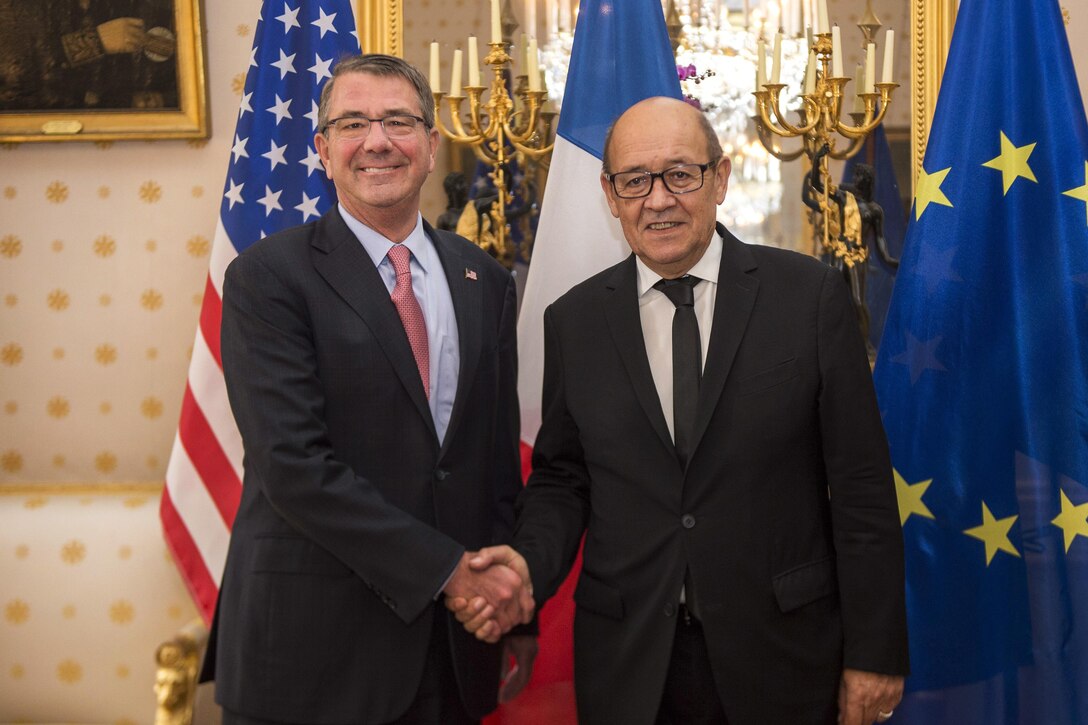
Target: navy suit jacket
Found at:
352, 514
785, 515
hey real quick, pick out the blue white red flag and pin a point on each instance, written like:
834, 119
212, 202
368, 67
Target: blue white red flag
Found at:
274, 180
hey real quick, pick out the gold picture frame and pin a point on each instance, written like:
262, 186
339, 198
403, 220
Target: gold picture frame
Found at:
932, 22
187, 120
381, 26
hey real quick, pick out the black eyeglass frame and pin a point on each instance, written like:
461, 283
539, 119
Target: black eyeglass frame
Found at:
372, 121
661, 175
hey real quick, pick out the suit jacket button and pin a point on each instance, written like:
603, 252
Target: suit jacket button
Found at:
670, 609
441, 474
687, 521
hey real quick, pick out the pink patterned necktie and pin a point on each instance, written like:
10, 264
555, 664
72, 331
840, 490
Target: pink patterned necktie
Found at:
411, 315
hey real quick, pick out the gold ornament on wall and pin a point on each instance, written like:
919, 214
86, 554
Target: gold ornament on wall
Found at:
57, 407
58, 300
10, 246
69, 672
73, 552
16, 612
10, 300
105, 354
105, 462
105, 246
151, 300
122, 612
11, 354
150, 192
11, 461
57, 192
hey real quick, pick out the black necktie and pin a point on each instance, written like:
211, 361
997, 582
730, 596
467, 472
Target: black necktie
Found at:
687, 359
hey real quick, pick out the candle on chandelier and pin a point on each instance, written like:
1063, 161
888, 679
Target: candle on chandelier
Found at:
551, 18
810, 74
889, 42
859, 104
534, 66
836, 52
564, 15
455, 74
776, 59
496, 22
870, 67
822, 24
530, 16
473, 62
761, 64
436, 81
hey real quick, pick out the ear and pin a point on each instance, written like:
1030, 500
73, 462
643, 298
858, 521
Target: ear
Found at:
721, 178
432, 139
322, 145
609, 196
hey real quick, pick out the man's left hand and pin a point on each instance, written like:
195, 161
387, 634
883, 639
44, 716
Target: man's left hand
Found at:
522, 649
868, 697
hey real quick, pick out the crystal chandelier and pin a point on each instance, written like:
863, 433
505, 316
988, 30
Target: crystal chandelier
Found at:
720, 43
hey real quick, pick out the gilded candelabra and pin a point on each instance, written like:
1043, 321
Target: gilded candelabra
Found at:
820, 119
499, 129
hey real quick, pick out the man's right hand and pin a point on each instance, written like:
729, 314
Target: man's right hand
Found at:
491, 587
478, 614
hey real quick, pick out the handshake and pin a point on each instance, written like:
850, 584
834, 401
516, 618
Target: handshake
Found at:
490, 592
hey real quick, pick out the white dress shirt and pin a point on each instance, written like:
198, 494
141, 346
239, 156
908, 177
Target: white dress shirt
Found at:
656, 312
432, 290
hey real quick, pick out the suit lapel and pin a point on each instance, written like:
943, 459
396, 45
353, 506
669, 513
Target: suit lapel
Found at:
348, 269
621, 311
467, 297
733, 305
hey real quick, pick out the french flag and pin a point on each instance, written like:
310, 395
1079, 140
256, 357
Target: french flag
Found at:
621, 55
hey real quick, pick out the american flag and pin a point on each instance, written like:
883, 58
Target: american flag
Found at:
274, 180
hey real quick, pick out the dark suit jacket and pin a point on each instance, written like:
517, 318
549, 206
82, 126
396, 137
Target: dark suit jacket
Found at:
786, 514
352, 515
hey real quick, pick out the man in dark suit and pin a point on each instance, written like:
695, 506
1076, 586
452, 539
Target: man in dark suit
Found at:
709, 424
370, 362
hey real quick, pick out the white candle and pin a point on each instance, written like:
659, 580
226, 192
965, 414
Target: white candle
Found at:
776, 59
859, 104
822, 25
455, 75
564, 14
436, 81
808, 35
870, 67
530, 16
543, 80
523, 52
534, 66
810, 74
551, 20
473, 62
889, 43
836, 52
496, 22
761, 64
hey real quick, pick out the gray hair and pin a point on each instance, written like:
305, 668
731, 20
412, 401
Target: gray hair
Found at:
385, 66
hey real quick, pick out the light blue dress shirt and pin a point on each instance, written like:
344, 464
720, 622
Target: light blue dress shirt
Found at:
433, 293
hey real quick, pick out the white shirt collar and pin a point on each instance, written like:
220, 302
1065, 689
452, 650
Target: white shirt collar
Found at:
706, 268
377, 246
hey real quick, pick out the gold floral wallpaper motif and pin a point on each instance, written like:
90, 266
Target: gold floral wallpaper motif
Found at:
89, 592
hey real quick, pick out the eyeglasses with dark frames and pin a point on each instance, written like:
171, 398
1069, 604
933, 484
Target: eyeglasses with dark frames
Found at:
679, 179
399, 125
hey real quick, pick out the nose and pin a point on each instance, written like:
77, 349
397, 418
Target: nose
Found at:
659, 197
376, 140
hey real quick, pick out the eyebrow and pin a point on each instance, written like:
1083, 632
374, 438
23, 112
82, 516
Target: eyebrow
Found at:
669, 163
387, 112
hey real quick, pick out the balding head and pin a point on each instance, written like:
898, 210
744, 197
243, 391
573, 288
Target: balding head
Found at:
643, 114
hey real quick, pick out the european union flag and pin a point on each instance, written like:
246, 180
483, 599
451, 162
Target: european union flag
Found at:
983, 379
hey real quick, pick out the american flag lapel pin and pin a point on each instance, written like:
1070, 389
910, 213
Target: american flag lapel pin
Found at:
470, 274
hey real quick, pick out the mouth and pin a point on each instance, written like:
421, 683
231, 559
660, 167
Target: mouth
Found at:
662, 226
378, 169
